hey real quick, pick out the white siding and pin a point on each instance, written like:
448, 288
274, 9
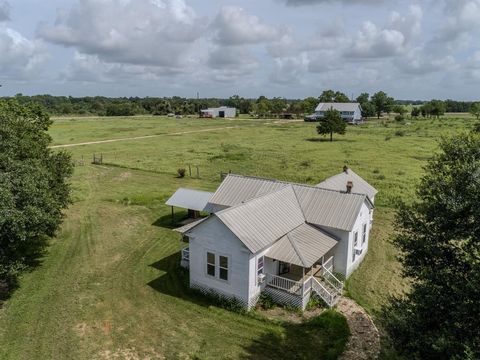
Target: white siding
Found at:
215, 237
363, 218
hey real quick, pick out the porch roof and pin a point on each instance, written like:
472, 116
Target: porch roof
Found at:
303, 246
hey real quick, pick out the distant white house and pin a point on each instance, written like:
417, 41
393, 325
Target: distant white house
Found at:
350, 112
281, 238
222, 112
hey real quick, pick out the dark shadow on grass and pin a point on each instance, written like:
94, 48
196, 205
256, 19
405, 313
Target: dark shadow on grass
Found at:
327, 140
166, 222
323, 337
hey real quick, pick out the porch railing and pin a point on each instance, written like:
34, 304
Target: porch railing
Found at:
332, 280
186, 254
291, 286
326, 295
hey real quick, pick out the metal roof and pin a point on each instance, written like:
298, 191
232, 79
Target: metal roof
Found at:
339, 182
303, 246
329, 208
338, 106
190, 199
183, 229
260, 222
320, 206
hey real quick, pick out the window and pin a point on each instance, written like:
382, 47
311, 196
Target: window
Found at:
210, 264
364, 234
260, 265
217, 266
355, 243
223, 273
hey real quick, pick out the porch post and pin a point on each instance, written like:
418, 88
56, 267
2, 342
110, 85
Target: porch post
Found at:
172, 216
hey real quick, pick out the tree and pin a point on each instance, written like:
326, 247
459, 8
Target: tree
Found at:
333, 96
382, 102
368, 110
437, 108
415, 112
309, 104
475, 109
33, 186
438, 236
331, 123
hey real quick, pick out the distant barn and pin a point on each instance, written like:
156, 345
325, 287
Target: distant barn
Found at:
222, 112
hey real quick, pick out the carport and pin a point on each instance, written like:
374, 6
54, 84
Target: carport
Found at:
192, 200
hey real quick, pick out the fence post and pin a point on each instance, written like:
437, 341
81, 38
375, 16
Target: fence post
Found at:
190, 170
198, 173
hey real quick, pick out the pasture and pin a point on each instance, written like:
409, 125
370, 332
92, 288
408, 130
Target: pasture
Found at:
110, 287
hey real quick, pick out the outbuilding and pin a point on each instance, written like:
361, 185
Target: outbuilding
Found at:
221, 112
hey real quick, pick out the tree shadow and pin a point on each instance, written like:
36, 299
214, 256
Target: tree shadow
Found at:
323, 337
321, 139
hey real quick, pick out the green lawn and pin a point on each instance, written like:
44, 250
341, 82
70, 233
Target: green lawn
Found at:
110, 285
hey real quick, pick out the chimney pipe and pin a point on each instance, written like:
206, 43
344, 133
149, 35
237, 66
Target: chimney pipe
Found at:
349, 186
345, 168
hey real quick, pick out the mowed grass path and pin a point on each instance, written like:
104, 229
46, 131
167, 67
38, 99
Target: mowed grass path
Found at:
110, 286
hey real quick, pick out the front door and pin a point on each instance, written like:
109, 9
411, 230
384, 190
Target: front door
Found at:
283, 268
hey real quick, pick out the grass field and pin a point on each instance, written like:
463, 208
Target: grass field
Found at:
110, 286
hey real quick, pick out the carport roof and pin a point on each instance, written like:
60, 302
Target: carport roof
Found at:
190, 199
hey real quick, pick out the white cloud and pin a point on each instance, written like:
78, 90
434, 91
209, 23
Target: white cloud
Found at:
462, 16
137, 32
409, 24
232, 61
234, 26
316, 2
372, 42
4, 10
20, 57
289, 70
419, 62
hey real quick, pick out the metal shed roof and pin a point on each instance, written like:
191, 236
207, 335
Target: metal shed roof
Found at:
339, 182
338, 106
190, 199
260, 222
302, 246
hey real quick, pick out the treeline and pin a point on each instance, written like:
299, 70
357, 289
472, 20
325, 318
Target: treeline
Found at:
373, 105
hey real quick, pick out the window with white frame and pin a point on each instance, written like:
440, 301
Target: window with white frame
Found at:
217, 266
260, 265
223, 268
355, 243
364, 233
211, 264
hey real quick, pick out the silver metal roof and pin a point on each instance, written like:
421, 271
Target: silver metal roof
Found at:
338, 106
260, 222
303, 246
190, 199
329, 208
321, 207
339, 182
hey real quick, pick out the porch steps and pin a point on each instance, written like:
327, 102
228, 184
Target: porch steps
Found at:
326, 291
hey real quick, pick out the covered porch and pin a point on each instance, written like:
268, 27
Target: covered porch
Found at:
300, 264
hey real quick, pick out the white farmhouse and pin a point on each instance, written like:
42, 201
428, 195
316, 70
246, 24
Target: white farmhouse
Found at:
281, 238
350, 112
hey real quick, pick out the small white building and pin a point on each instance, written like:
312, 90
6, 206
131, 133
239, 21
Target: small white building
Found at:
281, 238
222, 112
350, 112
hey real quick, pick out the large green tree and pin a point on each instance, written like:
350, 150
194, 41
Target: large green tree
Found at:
382, 103
475, 109
331, 123
439, 239
333, 96
33, 186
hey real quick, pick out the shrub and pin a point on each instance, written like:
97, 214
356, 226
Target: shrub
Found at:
387, 138
399, 133
181, 172
376, 171
315, 302
266, 302
399, 118
306, 163
381, 177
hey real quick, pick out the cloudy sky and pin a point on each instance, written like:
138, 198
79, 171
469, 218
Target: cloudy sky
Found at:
292, 48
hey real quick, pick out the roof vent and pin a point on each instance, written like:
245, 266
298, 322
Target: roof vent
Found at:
349, 186
345, 168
